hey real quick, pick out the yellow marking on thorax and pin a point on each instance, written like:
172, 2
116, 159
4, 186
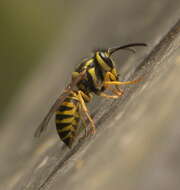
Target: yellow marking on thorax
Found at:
88, 62
93, 74
102, 63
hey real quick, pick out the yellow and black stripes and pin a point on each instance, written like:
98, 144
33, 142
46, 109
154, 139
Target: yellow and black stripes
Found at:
96, 69
104, 61
93, 75
67, 119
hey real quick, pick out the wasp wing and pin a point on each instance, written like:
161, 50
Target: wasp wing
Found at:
43, 126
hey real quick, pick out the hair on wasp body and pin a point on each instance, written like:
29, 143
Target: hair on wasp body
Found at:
93, 76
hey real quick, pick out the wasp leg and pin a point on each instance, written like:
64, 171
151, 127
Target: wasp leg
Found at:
108, 96
84, 108
121, 83
111, 80
83, 124
118, 91
108, 78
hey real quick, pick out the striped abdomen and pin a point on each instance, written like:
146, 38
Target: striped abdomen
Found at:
67, 119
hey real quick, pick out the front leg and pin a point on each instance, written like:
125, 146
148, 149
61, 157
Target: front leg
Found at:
108, 83
111, 80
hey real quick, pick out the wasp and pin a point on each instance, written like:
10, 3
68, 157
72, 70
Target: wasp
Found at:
93, 76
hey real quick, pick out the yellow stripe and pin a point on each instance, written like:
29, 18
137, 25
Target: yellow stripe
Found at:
67, 120
68, 104
89, 62
102, 63
67, 136
74, 97
67, 112
93, 74
68, 128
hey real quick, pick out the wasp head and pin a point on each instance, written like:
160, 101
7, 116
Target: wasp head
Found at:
105, 61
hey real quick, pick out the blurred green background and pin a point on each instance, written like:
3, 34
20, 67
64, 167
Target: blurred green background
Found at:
28, 28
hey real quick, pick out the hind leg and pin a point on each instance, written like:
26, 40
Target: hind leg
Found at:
81, 96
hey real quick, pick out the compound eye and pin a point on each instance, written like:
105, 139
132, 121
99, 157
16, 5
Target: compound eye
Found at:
103, 55
107, 60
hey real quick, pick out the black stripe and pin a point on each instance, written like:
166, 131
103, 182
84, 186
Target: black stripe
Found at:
75, 126
60, 117
90, 83
62, 125
64, 108
98, 70
68, 99
63, 134
68, 141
